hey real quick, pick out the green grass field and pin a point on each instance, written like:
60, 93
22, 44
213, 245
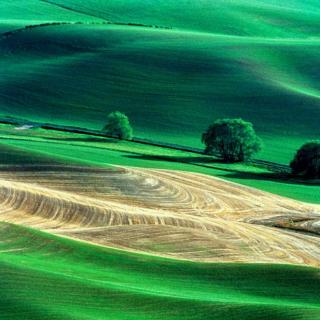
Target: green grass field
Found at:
250, 59
187, 64
46, 277
38, 146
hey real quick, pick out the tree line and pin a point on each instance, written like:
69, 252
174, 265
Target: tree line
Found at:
233, 140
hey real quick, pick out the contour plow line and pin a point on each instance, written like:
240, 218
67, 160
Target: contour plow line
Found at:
169, 213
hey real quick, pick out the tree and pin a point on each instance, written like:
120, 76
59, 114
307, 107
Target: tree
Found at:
307, 161
118, 125
233, 139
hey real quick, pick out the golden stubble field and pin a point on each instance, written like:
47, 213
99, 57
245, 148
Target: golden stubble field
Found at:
170, 213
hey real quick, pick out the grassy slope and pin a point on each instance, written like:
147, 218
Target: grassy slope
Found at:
45, 277
263, 18
248, 59
154, 75
39, 146
37, 11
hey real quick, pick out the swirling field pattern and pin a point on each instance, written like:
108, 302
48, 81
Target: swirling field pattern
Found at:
170, 213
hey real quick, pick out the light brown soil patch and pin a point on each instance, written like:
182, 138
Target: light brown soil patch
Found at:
176, 214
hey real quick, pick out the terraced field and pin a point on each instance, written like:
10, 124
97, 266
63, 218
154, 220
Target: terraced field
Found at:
171, 213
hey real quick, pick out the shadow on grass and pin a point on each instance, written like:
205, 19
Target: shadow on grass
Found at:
103, 140
232, 173
274, 177
201, 160
204, 162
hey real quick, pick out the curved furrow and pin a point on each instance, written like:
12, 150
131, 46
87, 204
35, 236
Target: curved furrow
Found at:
170, 213
20, 201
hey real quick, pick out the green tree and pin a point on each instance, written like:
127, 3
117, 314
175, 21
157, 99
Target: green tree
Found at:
232, 139
307, 161
118, 125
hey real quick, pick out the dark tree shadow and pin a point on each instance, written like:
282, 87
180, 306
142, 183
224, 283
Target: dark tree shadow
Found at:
192, 160
102, 139
209, 163
274, 177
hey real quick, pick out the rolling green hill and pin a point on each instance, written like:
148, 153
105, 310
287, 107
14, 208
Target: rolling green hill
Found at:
173, 67
15, 13
251, 59
46, 277
262, 18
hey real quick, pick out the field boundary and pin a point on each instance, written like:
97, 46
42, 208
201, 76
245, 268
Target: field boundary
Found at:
60, 23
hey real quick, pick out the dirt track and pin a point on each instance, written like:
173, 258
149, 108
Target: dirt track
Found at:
178, 214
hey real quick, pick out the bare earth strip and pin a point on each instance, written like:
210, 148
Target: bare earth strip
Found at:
171, 213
